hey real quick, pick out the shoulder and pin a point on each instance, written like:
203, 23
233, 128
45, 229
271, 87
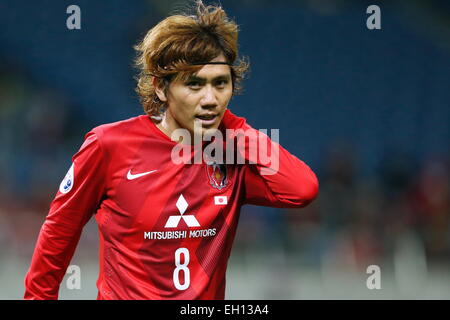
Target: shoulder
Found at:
118, 128
114, 134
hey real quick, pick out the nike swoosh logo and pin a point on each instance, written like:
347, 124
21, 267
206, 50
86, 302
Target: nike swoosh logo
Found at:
131, 176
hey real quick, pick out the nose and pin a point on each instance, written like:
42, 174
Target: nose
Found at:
209, 99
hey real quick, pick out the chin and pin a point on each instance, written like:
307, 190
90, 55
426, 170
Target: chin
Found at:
210, 130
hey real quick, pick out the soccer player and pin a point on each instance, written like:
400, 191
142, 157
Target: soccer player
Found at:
167, 227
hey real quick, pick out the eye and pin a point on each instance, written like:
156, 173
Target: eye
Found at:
194, 85
221, 83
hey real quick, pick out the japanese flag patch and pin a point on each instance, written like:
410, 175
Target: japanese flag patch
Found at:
220, 200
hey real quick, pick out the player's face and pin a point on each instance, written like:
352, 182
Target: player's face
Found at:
201, 99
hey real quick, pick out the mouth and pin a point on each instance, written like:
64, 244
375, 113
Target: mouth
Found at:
207, 119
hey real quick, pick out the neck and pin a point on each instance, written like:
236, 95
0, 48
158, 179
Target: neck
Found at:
168, 125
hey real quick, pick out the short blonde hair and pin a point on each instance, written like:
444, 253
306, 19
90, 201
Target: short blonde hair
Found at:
174, 48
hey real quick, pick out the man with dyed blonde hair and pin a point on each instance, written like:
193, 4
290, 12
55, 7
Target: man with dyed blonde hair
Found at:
166, 228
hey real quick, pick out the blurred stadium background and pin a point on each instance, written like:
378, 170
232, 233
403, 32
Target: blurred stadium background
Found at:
368, 110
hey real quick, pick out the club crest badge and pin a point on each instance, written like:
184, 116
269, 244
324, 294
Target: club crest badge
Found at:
217, 175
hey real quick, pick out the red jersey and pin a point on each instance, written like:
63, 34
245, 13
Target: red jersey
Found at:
166, 229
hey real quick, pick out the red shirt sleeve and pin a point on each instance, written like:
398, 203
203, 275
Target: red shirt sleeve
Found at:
284, 182
78, 197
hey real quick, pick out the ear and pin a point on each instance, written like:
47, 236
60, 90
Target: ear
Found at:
159, 86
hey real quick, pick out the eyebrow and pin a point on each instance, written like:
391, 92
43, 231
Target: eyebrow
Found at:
201, 79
